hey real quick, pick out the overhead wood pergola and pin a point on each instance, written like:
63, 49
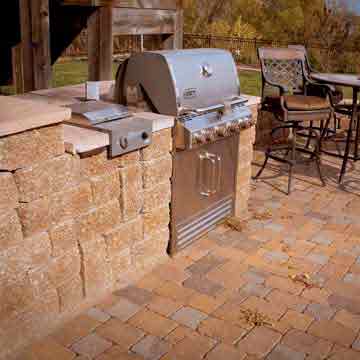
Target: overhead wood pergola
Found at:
47, 27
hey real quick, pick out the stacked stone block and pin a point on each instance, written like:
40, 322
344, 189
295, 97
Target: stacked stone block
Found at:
72, 228
243, 178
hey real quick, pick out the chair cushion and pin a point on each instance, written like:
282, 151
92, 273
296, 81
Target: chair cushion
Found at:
305, 103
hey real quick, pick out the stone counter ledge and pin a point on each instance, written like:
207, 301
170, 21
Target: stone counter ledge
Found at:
18, 115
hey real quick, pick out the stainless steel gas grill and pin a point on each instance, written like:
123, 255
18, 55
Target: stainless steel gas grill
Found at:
201, 89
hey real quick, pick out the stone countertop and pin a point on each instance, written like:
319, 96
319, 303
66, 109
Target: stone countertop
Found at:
80, 140
18, 115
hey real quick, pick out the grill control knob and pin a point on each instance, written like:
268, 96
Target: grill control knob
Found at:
210, 135
233, 127
200, 138
124, 142
221, 131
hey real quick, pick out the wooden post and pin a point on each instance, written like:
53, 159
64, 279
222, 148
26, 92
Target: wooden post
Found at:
100, 44
17, 69
40, 15
179, 25
176, 40
27, 58
35, 44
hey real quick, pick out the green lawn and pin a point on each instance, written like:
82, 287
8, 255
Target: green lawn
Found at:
75, 72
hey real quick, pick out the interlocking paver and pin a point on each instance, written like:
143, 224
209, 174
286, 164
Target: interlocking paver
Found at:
163, 306
341, 353
153, 323
285, 284
348, 319
193, 348
206, 304
341, 302
135, 295
203, 285
98, 314
288, 300
120, 333
333, 331
117, 353
315, 294
296, 320
189, 317
318, 258
282, 352
205, 264
91, 346
256, 289
151, 348
124, 309
47, 349
75, 330
260, 341
307, 343
323, 238
276, 256
221, 330
352, 279
320, 311
223, 351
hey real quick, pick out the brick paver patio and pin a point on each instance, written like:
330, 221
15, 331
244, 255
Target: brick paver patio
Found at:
286, 287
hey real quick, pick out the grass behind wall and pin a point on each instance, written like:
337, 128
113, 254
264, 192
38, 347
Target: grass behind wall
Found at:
71, 72
75, 72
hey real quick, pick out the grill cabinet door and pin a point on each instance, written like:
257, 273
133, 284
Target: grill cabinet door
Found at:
203, 190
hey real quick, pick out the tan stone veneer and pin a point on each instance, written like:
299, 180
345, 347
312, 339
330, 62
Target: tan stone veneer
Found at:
72, 229
246, 151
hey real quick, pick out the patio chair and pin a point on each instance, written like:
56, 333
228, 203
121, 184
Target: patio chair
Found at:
284, 73
336, 92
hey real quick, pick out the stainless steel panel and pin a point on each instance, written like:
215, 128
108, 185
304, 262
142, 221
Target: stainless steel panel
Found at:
180, 79
202, 180
128, 134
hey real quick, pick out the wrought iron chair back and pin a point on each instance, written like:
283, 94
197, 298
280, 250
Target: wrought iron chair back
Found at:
282, 69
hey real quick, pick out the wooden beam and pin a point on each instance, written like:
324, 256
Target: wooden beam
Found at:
41, 43
17, 69
179, 25
100, 44
175, 41
137, 4
35, 44
140, 21
27, 58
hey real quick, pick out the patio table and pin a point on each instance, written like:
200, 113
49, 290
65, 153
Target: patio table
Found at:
352, 81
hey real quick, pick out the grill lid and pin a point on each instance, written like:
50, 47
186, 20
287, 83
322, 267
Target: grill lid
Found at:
174, 81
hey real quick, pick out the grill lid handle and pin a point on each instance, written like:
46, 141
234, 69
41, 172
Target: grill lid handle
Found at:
218, 107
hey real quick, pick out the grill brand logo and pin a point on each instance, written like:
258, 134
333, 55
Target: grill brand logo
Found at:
190, 93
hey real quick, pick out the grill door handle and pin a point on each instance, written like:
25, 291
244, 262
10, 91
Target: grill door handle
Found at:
209, 174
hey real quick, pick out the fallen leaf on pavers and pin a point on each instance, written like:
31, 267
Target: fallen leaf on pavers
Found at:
304, 279
285, 248
235, 223
255, 318
286, 217
266, 215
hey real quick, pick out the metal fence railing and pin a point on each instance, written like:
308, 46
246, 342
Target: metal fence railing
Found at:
244, 50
